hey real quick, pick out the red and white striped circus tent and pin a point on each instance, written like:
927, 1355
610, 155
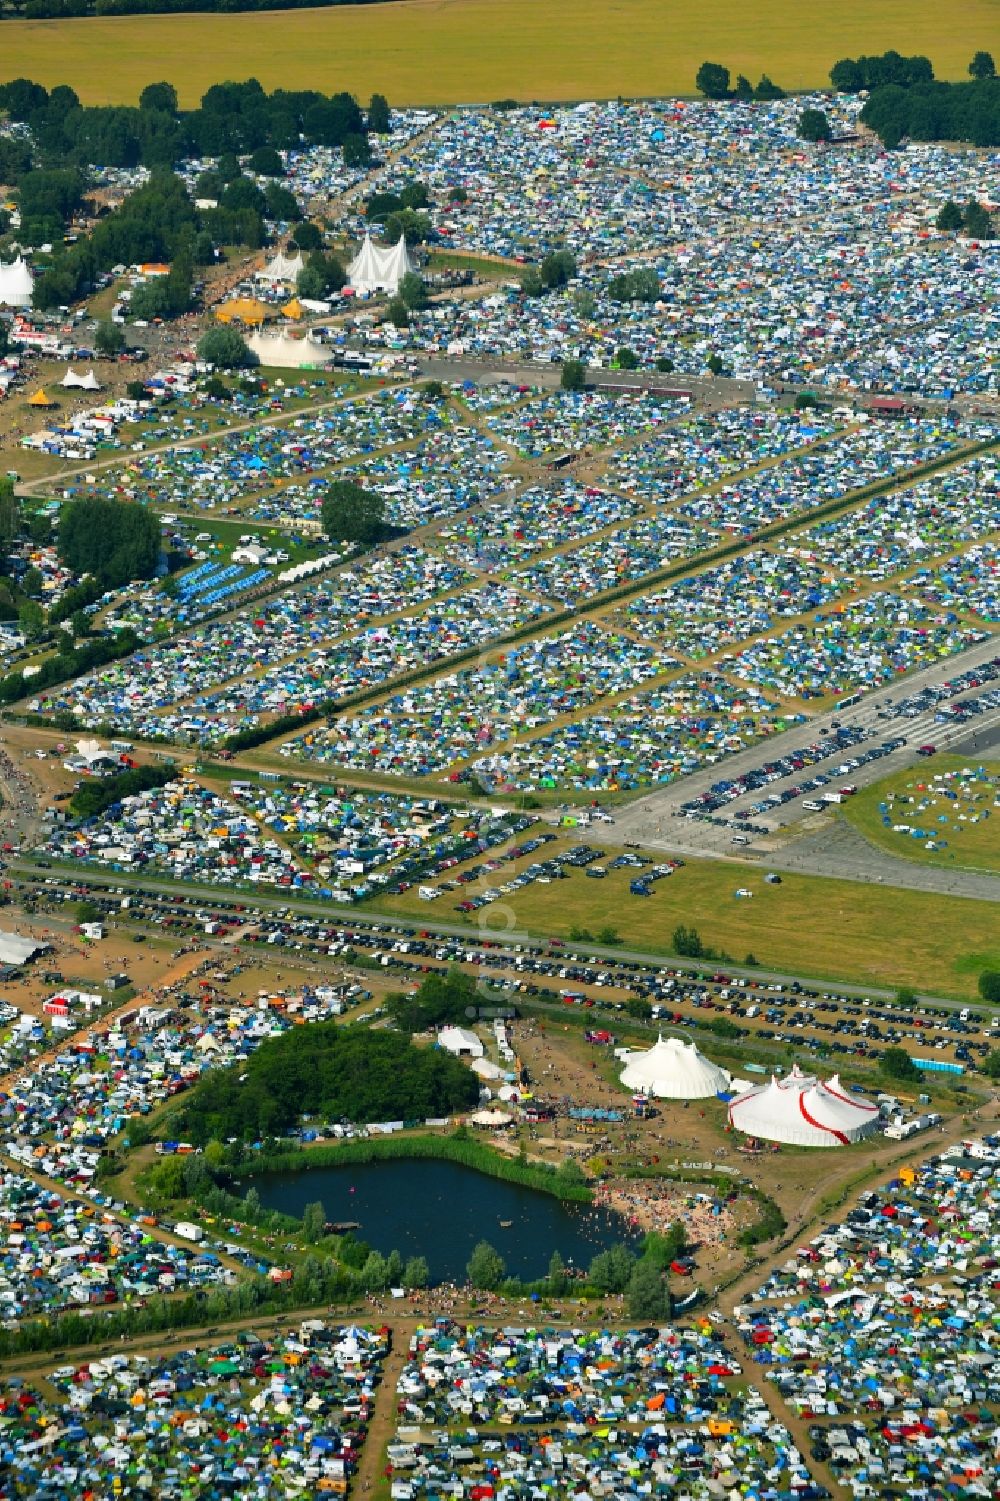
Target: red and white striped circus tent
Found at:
803, 1111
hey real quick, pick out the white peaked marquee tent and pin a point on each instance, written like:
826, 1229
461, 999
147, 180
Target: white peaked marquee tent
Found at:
803, 1111
283, 268
282, 352
674, 1070
378, 268
86, 382
16, 284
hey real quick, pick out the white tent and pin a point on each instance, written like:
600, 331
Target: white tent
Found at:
16, 284
282, 268
17, 950
458, 1040
803, 1111
282, 352
674, 1070
86, 382
378, 268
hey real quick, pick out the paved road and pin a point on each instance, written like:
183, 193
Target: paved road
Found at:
714, 391
655, 820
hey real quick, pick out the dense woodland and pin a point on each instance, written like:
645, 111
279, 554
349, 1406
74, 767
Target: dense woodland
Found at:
905, 100
329, 1072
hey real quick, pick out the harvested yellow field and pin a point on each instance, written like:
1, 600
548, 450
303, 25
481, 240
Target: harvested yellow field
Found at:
474, 51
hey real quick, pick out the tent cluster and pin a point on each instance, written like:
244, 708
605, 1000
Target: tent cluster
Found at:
803, 1111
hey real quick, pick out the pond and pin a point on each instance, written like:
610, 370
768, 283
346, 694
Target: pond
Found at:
440, 1210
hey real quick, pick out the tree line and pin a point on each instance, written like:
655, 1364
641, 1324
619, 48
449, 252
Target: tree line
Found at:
42, 10
905, 99
231, 117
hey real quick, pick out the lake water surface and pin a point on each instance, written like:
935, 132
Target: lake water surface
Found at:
440, 1210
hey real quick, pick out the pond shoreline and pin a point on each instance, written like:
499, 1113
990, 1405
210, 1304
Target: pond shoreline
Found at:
425, 1146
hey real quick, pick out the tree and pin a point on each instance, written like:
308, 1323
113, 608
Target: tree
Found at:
744, 88
357, 152
307, 236
989, 986
31, 619
557, 269
982, 66
266, 162
313, 1222
813, 125
9, 514
715, 364
375, 1273
950, 217
486, 1268
416, 1272
87, 912
712, 80
665, 365
571, 1173
413, 227
159, 96
976, 221
557, 1278
353, 514
114, 540
610, 1270
379, 119
896, 1063
767, 89
109, 339
906, 998
846, 76
991, 1064
412, 290
687, 942
574, 375
648, 1295
226, 349
627, 360
398, 313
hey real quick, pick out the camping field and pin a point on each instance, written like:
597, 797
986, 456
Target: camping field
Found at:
956, 815
473, 51
864, 934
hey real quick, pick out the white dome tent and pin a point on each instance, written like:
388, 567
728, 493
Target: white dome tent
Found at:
674, 1070
803, 1111
16, 284
378, 268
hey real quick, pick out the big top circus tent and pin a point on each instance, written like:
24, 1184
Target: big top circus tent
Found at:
674, 1070
803, 1111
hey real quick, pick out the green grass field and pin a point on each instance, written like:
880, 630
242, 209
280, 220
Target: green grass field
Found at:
807, 925
474, 51
968, 845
